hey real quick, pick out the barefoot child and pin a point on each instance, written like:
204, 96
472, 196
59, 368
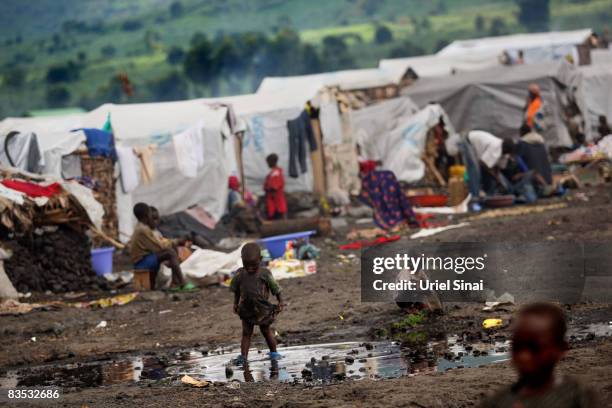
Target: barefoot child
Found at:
252, 286
538, 343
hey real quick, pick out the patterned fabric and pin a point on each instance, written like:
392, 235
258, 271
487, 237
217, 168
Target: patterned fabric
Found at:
381, 191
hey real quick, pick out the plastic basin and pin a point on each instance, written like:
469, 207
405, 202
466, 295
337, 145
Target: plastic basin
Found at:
276, 244
102, 260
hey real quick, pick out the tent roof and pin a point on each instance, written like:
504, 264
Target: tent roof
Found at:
42, 124
495, 75
515, 42
434, 65
155, 121
346, 80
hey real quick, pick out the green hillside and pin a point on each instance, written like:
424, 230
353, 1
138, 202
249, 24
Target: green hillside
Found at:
56, 53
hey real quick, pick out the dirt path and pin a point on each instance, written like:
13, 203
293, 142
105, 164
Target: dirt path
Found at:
321, 308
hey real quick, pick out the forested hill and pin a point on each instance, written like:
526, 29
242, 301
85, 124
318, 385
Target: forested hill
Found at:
57, 53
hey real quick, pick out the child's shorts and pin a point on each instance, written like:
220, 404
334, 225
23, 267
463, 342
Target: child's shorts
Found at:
149, 262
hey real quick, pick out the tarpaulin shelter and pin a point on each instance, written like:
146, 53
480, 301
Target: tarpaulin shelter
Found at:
591, 86
536, 47
346, 80
154, 127
262, 119
426, 66
481, 53
395, 132
41, 142
494, 99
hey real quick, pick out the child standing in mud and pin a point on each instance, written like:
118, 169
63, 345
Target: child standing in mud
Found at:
252, 287
538, 343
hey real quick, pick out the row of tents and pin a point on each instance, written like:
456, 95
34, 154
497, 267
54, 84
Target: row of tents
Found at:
227, 136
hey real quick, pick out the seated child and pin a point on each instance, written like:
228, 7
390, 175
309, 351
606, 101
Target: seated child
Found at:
252, 286
274, 186
148, 251
538, 343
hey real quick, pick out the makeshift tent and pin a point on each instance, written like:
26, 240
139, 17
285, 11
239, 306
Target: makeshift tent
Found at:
398, 137
155, 124
493, 100
426, 66
592, 89
263, 118
42, 143
347, 80
536, 47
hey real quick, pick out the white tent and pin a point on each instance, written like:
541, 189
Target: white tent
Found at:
537, 47
397, 136
264, 118
592, 88
426, 66
345, 80
138, 125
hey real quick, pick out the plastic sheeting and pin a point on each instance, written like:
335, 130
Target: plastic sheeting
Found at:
137, 125
346, 80
592, 87
267, 133
537, 47
493, 99
397, 137
85, 197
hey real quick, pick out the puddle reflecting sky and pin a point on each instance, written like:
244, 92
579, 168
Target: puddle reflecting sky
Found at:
308, 363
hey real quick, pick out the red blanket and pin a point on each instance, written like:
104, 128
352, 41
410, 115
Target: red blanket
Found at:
32, 189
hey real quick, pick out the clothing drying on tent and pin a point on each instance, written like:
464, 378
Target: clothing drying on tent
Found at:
300, 133
381, 191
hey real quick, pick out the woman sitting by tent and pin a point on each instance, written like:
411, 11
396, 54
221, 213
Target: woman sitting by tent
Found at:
381, 191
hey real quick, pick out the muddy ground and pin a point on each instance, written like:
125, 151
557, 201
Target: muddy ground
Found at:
321, 308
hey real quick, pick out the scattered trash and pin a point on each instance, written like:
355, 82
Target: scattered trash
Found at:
365, 244
165, 311
118, 300
503, 300
102, 324
14, 307
433, 231
491, 323
193, 382
33, 339
508, 212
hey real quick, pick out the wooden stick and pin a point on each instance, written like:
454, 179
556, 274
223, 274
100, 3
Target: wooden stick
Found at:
99, 233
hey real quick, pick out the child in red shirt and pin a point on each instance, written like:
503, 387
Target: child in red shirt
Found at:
274, 186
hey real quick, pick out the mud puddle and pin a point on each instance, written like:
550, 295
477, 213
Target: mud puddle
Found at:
318, 363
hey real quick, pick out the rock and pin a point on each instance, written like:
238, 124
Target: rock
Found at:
349, 360
368, 346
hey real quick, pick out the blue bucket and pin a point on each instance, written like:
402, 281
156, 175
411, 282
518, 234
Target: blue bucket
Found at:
276, 245
102, 260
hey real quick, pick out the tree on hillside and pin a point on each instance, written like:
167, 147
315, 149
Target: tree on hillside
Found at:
68, 72
498, 27
383, 35
406, 49
170, 87
336, 54
14, 78
175, 55
108, 51
534, 14
198, 64
479, 23
57, 97
176, 9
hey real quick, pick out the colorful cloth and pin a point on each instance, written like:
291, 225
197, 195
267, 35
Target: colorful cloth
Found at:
365, 244
274, 186
381, 191
148, 262
32, 189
